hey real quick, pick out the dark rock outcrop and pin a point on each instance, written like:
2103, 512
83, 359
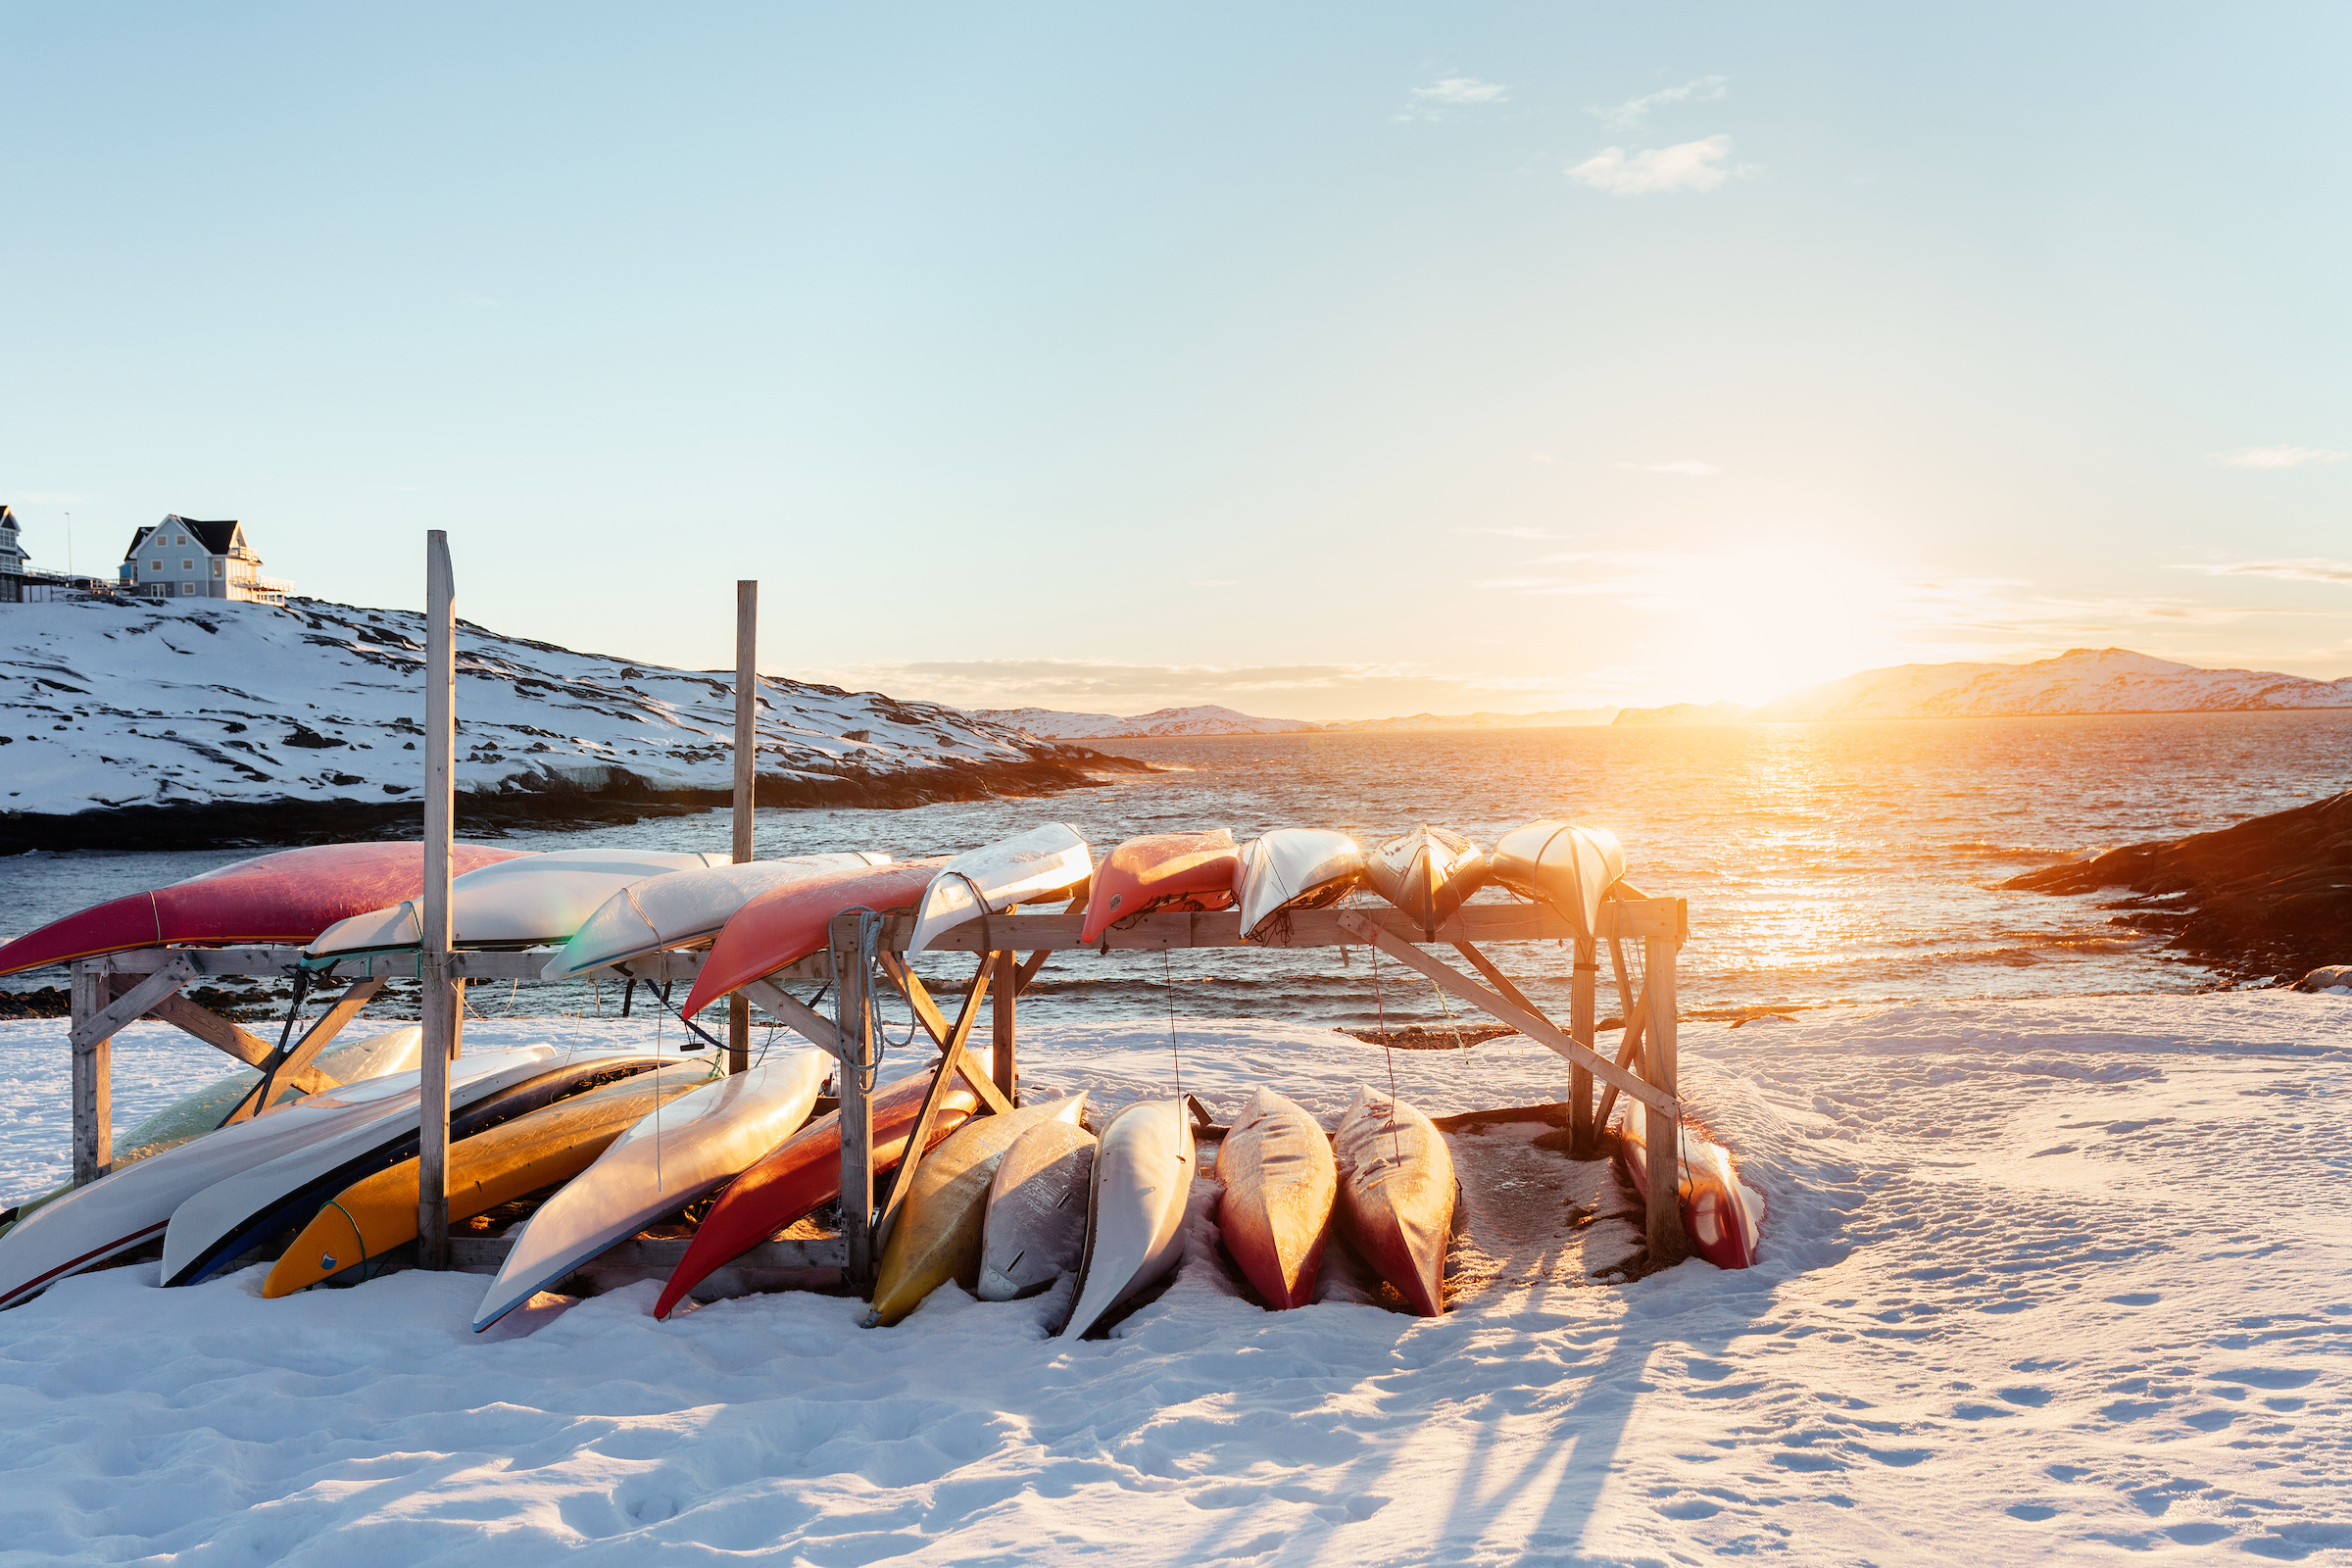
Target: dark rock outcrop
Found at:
2266, 899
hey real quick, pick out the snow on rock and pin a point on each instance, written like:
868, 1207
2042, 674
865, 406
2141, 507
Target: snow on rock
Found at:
1208, 719
2040, 1282
320, 702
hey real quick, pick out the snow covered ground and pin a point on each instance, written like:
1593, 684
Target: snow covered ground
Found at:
146, 702
2056, 1280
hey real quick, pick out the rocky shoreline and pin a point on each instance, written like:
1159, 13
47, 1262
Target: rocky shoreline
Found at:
2265, 899
543, 802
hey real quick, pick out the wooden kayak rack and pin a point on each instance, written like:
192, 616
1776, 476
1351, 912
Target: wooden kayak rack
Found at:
112, 991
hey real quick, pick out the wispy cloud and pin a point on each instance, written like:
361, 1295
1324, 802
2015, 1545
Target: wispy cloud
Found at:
1517, 533
1631, 114
1449, 93
2274, 456
1691, 166
1689, 467
2305, 570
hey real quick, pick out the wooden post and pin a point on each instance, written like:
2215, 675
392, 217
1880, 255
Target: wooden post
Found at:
1007, 991
746, 763
93, 1079
1584, 1138
854, 1022
1661, 1132
440, 1003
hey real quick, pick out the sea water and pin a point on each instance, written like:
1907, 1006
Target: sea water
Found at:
1825, 865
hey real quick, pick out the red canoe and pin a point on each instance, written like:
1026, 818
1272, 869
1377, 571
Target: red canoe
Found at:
1722, 1216
1280, 1184
1161, 871
1396, 1195
786, 924
289, 897
802, 1173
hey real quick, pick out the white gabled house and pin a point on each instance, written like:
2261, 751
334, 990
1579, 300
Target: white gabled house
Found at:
185, 558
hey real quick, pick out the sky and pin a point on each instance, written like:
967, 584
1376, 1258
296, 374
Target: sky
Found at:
1335, 362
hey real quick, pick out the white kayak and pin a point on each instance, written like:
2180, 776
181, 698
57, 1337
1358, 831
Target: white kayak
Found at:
1137, 1191
231, 1217
393, 1051
1295, 868
683, 909
1562, 864
1035, 1231
523, 902
989, 880
130, 1205
657, 1167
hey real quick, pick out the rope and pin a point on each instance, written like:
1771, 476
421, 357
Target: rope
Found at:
1168, 986
1380, 1001
361, 1265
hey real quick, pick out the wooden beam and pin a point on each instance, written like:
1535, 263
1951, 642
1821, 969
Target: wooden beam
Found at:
1030, 966
910, 986
1584, 1138
296, 1069
441, 1002
1498, 979
1308, 929
955, 1062
1009, 991
853, 1009
1536, 1028
1628, 1053
108, 1020
747, 764
223, 1035
1662, 1128
93, 1090
803, 1019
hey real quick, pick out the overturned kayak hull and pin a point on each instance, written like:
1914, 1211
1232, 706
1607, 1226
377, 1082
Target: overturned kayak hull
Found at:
1178, 871
1293, 868
1427, 874
685, 908
530, 901
1723, 1217
787, 924
666, 1161
1035, 864
1137, 1191
1562, 864
286, 898
1396, 1196
1280, 1185
1035, 1229
800, 1174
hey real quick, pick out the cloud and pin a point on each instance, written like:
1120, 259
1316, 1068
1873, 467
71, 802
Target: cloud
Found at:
1693, 166
1517, 533
1447, 93
2274, 456
2305, 571
1689, 467
1629, 115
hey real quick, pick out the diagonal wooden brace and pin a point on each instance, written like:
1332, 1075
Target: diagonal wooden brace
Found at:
1532, 1025
296, 1069
136, 1003
796, 1015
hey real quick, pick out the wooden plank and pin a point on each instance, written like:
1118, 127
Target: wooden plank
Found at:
1030, 965
853, 1009
955, 1061
1629, 1056
1308, 929
223, 1035
1009, 991
1363, 929
803, 1019
1498, 979
1584, 1140
1662, 1129
441, 1002
296, 1069
93, 1079
108, 1020
910, 986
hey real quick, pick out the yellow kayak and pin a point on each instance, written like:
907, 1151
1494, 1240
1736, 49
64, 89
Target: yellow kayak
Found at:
937, 1234
377, 1213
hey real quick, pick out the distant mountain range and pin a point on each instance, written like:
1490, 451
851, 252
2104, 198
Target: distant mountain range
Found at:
2085, 680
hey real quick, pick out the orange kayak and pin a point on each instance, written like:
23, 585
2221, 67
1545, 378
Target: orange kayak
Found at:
288, 896
786, 924
801, 1174
1396, 1195
1161, 871
1723, 1216
1280, 1185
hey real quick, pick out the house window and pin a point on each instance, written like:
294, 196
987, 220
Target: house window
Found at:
155, 564
218, 571
187, 588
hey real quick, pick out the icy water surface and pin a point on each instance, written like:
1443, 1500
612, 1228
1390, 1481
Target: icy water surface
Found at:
1825, 863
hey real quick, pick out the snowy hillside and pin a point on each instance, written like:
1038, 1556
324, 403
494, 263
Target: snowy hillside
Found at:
106, 705
2082, 680
1208, 719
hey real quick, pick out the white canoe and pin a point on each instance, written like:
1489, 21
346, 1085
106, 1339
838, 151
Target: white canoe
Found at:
1137, 1191
128, 1206
1035, 1231
1427, 874
991, 879
231, 1217
523, 902
683, 909
655, 1168
1295, 868
1562, 864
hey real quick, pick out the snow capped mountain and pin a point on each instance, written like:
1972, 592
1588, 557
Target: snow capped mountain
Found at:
1207, 719
108, 705
2082, 680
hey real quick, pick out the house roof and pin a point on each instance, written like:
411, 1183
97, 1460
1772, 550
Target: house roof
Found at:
217, 538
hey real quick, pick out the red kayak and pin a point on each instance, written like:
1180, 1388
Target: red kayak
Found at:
1722, 1216
800, 1174
786, 924
1280, 1184
1396, 1195
286, 898
1161, 871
